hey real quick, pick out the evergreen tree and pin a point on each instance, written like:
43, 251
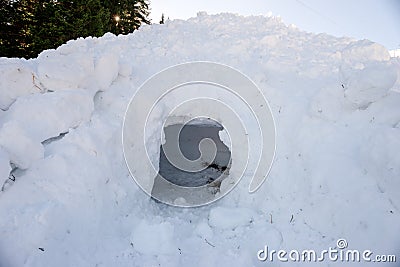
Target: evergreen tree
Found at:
162, 19
9, 32
15, 18
127, 15
29, 26
59, 21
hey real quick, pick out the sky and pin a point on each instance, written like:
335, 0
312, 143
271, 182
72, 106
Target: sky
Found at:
376, 20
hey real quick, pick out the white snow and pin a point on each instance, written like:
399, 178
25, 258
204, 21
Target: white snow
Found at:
394, 53
17, 79
154, 239
228, 218
336, 172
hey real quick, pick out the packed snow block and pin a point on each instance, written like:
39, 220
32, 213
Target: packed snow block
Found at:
65, 71
364, 51
5, 167
367, 85
47, 115
17, 78
80, 45
367, 72
106, 70
36, 118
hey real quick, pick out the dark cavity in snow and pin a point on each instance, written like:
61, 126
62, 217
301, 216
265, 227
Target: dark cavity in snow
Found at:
189, 140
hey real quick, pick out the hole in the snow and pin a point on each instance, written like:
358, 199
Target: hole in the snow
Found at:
189, 139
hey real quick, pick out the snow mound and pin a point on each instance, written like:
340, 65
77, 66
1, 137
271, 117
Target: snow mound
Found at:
68, 198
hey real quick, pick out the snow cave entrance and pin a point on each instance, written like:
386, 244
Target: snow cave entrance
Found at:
189, 139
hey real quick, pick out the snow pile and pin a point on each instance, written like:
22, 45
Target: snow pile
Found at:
73, 203
394, 53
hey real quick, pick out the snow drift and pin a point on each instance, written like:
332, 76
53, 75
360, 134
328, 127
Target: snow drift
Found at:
73, 203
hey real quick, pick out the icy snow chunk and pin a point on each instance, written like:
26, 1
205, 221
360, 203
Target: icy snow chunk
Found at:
33, 119
74, 46
153, 239
230, 218
364, 51
16, 79
371, 83
57, 71
47, 115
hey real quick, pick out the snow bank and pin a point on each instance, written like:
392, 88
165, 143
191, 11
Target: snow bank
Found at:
32, 120
73, 202
394, 53
17, 78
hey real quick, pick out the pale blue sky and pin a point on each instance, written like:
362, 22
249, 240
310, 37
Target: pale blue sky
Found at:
376, 20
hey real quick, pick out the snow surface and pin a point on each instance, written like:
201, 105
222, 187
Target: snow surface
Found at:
394, 53
73, 203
